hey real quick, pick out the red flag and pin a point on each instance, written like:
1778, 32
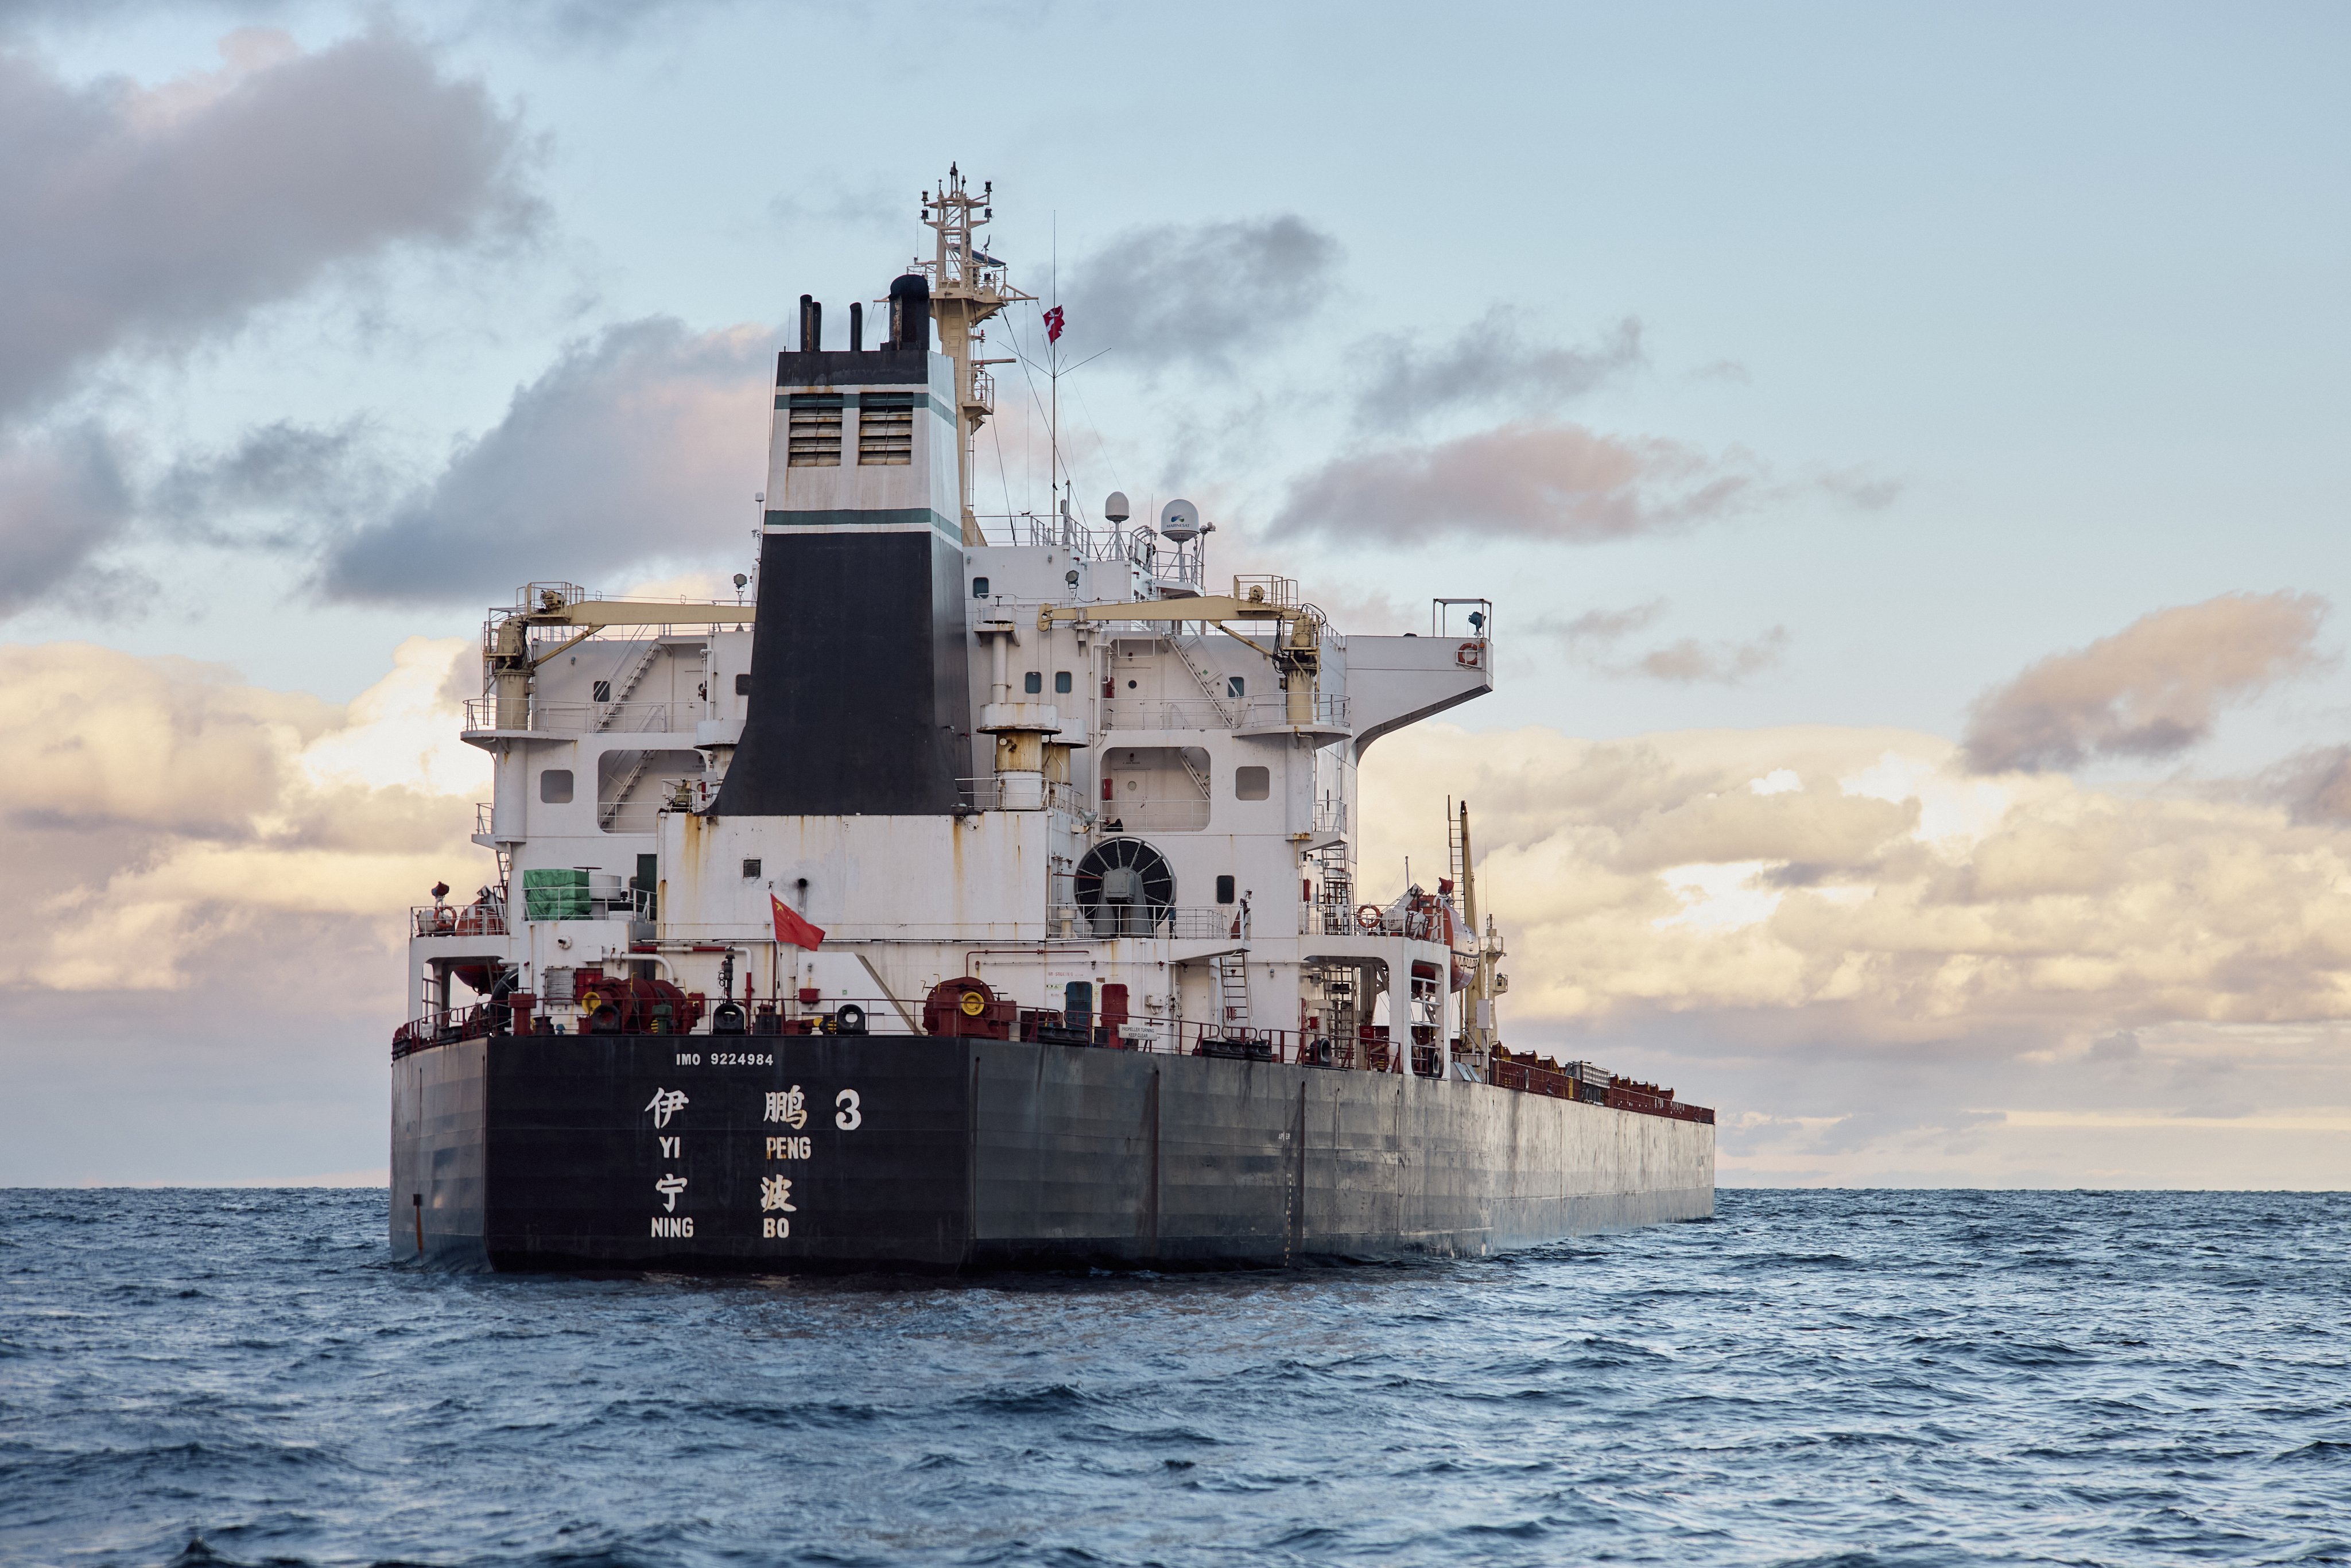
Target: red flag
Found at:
792, 930
1053, 325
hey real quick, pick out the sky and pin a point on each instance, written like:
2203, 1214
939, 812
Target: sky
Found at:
1902, 444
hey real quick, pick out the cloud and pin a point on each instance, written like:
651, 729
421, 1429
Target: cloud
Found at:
1690, 662
1603, 626
292, 479
1592, 639
1914, 971
2153, 689
161, 817
1207, 293
828, 201
151, 216
2314, 785
62, 497
642, 445
1556, 482
1488, 362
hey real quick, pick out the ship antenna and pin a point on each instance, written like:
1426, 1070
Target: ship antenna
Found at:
1053, 379
968, 288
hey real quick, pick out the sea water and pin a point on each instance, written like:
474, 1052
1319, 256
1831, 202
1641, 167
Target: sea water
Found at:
1819, 1377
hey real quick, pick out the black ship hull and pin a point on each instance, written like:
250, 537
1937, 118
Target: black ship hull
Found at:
812, 1154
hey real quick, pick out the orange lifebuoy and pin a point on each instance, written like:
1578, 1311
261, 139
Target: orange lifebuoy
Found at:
1469, 656
1370, 915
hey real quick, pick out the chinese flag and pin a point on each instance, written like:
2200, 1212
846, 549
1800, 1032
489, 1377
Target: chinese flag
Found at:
792, 930
1053, 325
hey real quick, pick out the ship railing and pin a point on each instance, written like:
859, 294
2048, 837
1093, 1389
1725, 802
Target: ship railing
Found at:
1370, 920
1592, 1084
475, 1020
483, 811
580, 718
1370, 1047
987, 793
457, 920
1107, 542
1069, 920
1330, 918
1326, 711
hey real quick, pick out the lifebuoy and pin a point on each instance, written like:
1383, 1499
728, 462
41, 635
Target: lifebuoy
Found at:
1370, 915
1469, 656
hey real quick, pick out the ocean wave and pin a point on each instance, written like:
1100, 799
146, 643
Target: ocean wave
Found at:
209, 1380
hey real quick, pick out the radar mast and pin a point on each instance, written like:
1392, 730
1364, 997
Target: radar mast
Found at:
967, 286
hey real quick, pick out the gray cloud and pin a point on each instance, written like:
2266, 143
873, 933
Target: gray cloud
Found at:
1594, 638
62, 497
152, 216
1488, 362
289, 482
642, 445
1603, 626
1205, 293
1690, 662
830, 202
2153, 689
2314, 786
1542, 481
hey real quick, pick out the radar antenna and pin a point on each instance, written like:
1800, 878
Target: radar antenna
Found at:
967, 286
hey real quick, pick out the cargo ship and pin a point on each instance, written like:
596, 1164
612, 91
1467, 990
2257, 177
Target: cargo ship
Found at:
974, 892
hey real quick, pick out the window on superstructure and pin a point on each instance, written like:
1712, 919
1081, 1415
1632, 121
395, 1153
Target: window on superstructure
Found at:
885, 430
750, 871
979, 588
813, 431
1061, 683
1235, 685
1033, 682
1252, 783
742, 685
1224, 890
555, 787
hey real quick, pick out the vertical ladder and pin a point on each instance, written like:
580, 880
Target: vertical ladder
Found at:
1232, 993
1457, 868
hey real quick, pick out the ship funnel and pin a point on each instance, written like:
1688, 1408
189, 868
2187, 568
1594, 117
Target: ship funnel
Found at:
811, 325
1116, 509
910, 312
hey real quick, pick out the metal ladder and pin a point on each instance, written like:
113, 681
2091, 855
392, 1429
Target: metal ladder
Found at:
612, 813
1205, 682
621, 692
1232, 992
1199, 780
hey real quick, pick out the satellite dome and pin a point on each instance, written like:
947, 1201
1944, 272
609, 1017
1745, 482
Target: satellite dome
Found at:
1179, 520
1115, 509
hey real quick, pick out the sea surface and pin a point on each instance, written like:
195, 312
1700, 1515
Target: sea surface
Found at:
1814, 1377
